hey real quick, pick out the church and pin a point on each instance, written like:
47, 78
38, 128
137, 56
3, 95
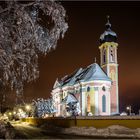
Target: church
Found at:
94, 88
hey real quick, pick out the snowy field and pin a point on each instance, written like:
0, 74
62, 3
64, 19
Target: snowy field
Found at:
20, 130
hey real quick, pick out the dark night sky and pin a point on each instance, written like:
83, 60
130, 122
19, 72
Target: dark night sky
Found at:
80, 46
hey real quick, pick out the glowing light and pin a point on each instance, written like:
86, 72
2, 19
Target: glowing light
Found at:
20, 110
128, 108
10, 113
5, 115
14, 112
28, 107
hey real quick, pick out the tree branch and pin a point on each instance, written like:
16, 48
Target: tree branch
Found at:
26, 5
4, 10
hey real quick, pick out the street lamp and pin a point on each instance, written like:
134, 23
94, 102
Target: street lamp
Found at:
20, 110
28, 108
10, 113
5, 115
128, 108
14, 112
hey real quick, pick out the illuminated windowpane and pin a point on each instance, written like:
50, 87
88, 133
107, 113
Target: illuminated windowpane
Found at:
88, 103
103, 103
111, 56
104, 57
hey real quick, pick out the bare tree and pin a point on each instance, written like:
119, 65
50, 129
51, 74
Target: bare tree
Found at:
27, 28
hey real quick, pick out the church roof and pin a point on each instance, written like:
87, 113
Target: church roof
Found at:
93, 72
56, 84
70, 80
90, 73
70, 98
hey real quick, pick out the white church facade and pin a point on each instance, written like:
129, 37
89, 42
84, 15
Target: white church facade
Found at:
94, 88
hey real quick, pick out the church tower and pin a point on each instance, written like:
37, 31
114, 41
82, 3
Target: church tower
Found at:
108, 61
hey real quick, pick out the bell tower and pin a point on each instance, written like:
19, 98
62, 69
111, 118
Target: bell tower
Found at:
108, 61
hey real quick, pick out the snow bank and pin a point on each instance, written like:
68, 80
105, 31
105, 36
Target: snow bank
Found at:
111, 131
6, 130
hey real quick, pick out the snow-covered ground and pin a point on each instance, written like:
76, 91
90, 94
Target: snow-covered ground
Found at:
114, 131
48, 131
7, 131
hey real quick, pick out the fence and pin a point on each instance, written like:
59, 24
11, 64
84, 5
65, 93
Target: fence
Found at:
97, 122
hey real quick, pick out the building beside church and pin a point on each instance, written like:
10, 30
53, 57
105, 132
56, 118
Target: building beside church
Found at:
94, 88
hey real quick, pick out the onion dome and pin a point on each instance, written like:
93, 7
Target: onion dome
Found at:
108, 35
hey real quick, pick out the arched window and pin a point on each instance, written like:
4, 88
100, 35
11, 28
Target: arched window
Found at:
103, 103
88, 89
103, 88
111, 53
88, 103
104, 56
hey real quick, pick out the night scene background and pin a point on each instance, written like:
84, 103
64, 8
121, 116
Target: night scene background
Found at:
79, 47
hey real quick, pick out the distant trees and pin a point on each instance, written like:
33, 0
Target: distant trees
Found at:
73, 108
72, 104
27, 28
41, 107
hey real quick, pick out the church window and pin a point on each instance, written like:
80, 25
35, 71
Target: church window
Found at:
104, 56
88, 89
103, 88
111, 56
88, 103
103, 103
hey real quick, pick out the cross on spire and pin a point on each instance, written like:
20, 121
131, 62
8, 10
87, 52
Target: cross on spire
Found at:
95, 59
107, 17
108, 25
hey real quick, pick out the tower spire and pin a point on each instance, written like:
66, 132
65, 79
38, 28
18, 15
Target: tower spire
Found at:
108, 25
107, 17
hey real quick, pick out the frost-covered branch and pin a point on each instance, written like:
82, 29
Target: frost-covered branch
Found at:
27, 29
43, 107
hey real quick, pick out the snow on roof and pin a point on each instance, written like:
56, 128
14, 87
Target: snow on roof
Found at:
94, 72
70, 98
56, 84
108, 35
90, 73
71, 79
107, 32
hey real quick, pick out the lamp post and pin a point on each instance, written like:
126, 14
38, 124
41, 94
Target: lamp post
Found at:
28, 108
128, 108
19, 110
14, 112
10, 113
